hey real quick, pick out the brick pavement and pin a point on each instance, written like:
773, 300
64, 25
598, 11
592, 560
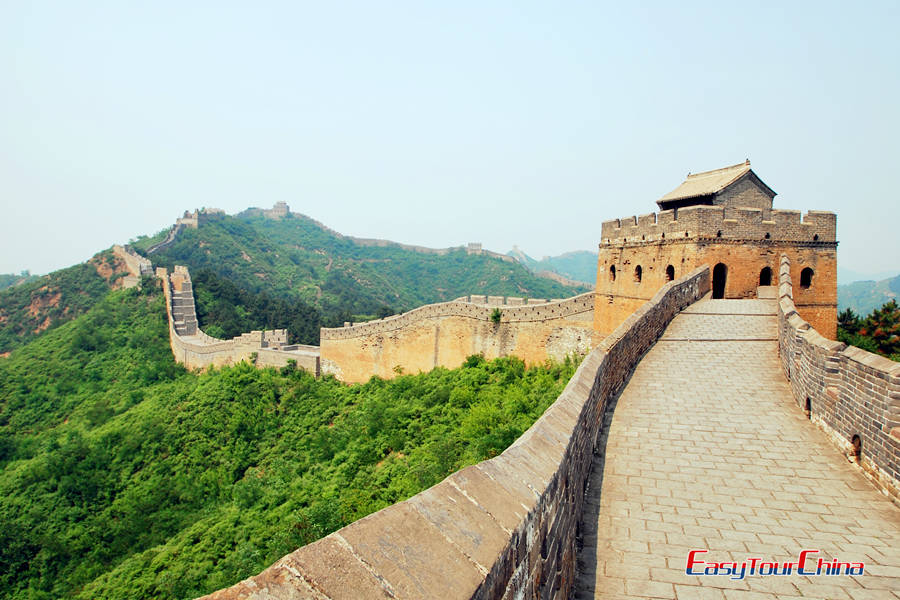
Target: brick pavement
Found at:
706, 449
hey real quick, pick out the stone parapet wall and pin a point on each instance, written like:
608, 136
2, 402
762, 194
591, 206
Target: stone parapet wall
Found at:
850, 392
726, 223
502, 529
443, 335
196, 350
138, 266
475, 308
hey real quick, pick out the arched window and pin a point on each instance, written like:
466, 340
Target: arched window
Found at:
806, 276
637, 274
765, 276
612, 272
670, 273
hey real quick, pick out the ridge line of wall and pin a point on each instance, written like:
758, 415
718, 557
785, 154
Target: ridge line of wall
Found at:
263, 348
850, 392
722, 222
516, 514
457, 308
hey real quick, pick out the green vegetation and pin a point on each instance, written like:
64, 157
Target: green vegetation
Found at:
496, 315
296, 258
879, 332
865, 296
11, 279
225, 311
124, 476
29, 309
143, 242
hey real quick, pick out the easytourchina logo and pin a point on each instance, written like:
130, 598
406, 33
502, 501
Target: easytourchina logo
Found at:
807, 563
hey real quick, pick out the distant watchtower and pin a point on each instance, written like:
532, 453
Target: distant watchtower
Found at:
723, 218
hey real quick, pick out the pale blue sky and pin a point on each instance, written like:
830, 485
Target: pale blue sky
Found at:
438, 123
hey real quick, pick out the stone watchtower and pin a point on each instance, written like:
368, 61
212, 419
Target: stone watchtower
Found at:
723, 218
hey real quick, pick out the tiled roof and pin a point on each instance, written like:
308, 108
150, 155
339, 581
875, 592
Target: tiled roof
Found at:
708, 182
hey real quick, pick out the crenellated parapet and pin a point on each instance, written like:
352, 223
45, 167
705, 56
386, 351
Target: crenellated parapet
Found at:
851, 394
137, 265
722, 223
725, 219
481, 308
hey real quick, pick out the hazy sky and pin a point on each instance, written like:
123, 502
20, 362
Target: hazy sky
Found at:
438, 123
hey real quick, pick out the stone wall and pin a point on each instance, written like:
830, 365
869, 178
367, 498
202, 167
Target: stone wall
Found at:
745, 192
197, 350
722, 222
617, 297
167, 241
848, 392
444, 334
137, 265
502, 529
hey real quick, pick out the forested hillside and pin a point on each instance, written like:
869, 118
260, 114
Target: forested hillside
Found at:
296, 258
862, 297
124, 476
42, 303
11, 279
877, 332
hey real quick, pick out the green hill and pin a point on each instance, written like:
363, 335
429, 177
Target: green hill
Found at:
124, 476
580, 265
298, 259
43, 303
865, 296
11, 279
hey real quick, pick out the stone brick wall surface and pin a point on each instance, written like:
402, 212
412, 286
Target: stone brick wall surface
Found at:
512, 311
744, 193
502, 529
137, 264
445, 334
850, 392
722, 222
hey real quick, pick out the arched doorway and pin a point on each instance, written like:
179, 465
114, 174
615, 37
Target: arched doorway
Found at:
670, 273
720, 272
765, 276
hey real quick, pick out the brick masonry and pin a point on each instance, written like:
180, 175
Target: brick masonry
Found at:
744, 240
444, 334
707, 449
502, 529
851, 392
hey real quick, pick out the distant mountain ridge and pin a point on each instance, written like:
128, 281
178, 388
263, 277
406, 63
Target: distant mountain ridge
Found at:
865, 296
295, 258
579, 265
330, 278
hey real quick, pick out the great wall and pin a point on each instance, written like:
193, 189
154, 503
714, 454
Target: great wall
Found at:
445, 334
698, 297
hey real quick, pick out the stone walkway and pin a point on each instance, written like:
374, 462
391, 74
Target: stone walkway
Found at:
706, 449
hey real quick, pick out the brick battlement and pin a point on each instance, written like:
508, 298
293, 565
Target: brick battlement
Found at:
848, 392
475, 307
722, 223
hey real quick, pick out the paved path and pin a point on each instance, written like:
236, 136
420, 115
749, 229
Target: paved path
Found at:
706, 449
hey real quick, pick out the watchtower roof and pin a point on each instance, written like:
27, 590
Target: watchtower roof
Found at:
711, 183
